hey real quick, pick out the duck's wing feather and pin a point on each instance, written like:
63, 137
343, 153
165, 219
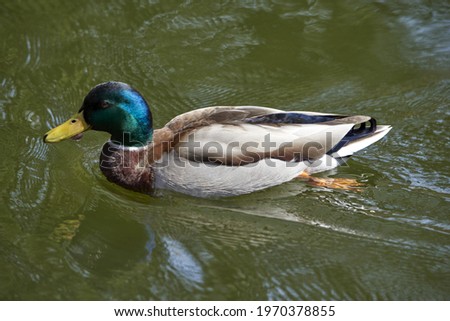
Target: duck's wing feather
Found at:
246, 134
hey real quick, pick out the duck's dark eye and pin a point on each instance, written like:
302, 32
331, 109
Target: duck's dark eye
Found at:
104, 104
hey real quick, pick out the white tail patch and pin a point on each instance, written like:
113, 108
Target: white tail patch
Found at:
362, 143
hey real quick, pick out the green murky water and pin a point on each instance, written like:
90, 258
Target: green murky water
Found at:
67, 233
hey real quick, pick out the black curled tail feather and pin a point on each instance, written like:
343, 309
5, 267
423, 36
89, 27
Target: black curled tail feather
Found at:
358, 131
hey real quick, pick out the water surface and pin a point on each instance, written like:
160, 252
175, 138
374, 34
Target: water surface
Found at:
67, 233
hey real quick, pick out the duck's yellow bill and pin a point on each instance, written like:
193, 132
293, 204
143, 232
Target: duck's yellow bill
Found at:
74, 126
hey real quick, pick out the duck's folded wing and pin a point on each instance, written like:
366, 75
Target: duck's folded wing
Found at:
246, 134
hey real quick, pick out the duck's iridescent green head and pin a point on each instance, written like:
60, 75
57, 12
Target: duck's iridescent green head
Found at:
113, 107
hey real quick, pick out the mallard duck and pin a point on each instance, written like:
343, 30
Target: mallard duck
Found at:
214, 151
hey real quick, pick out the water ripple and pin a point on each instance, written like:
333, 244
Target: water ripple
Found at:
183, 262
33, 55
32, 180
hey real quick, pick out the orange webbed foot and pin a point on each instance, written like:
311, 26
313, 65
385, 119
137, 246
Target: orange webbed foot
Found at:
335, 183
